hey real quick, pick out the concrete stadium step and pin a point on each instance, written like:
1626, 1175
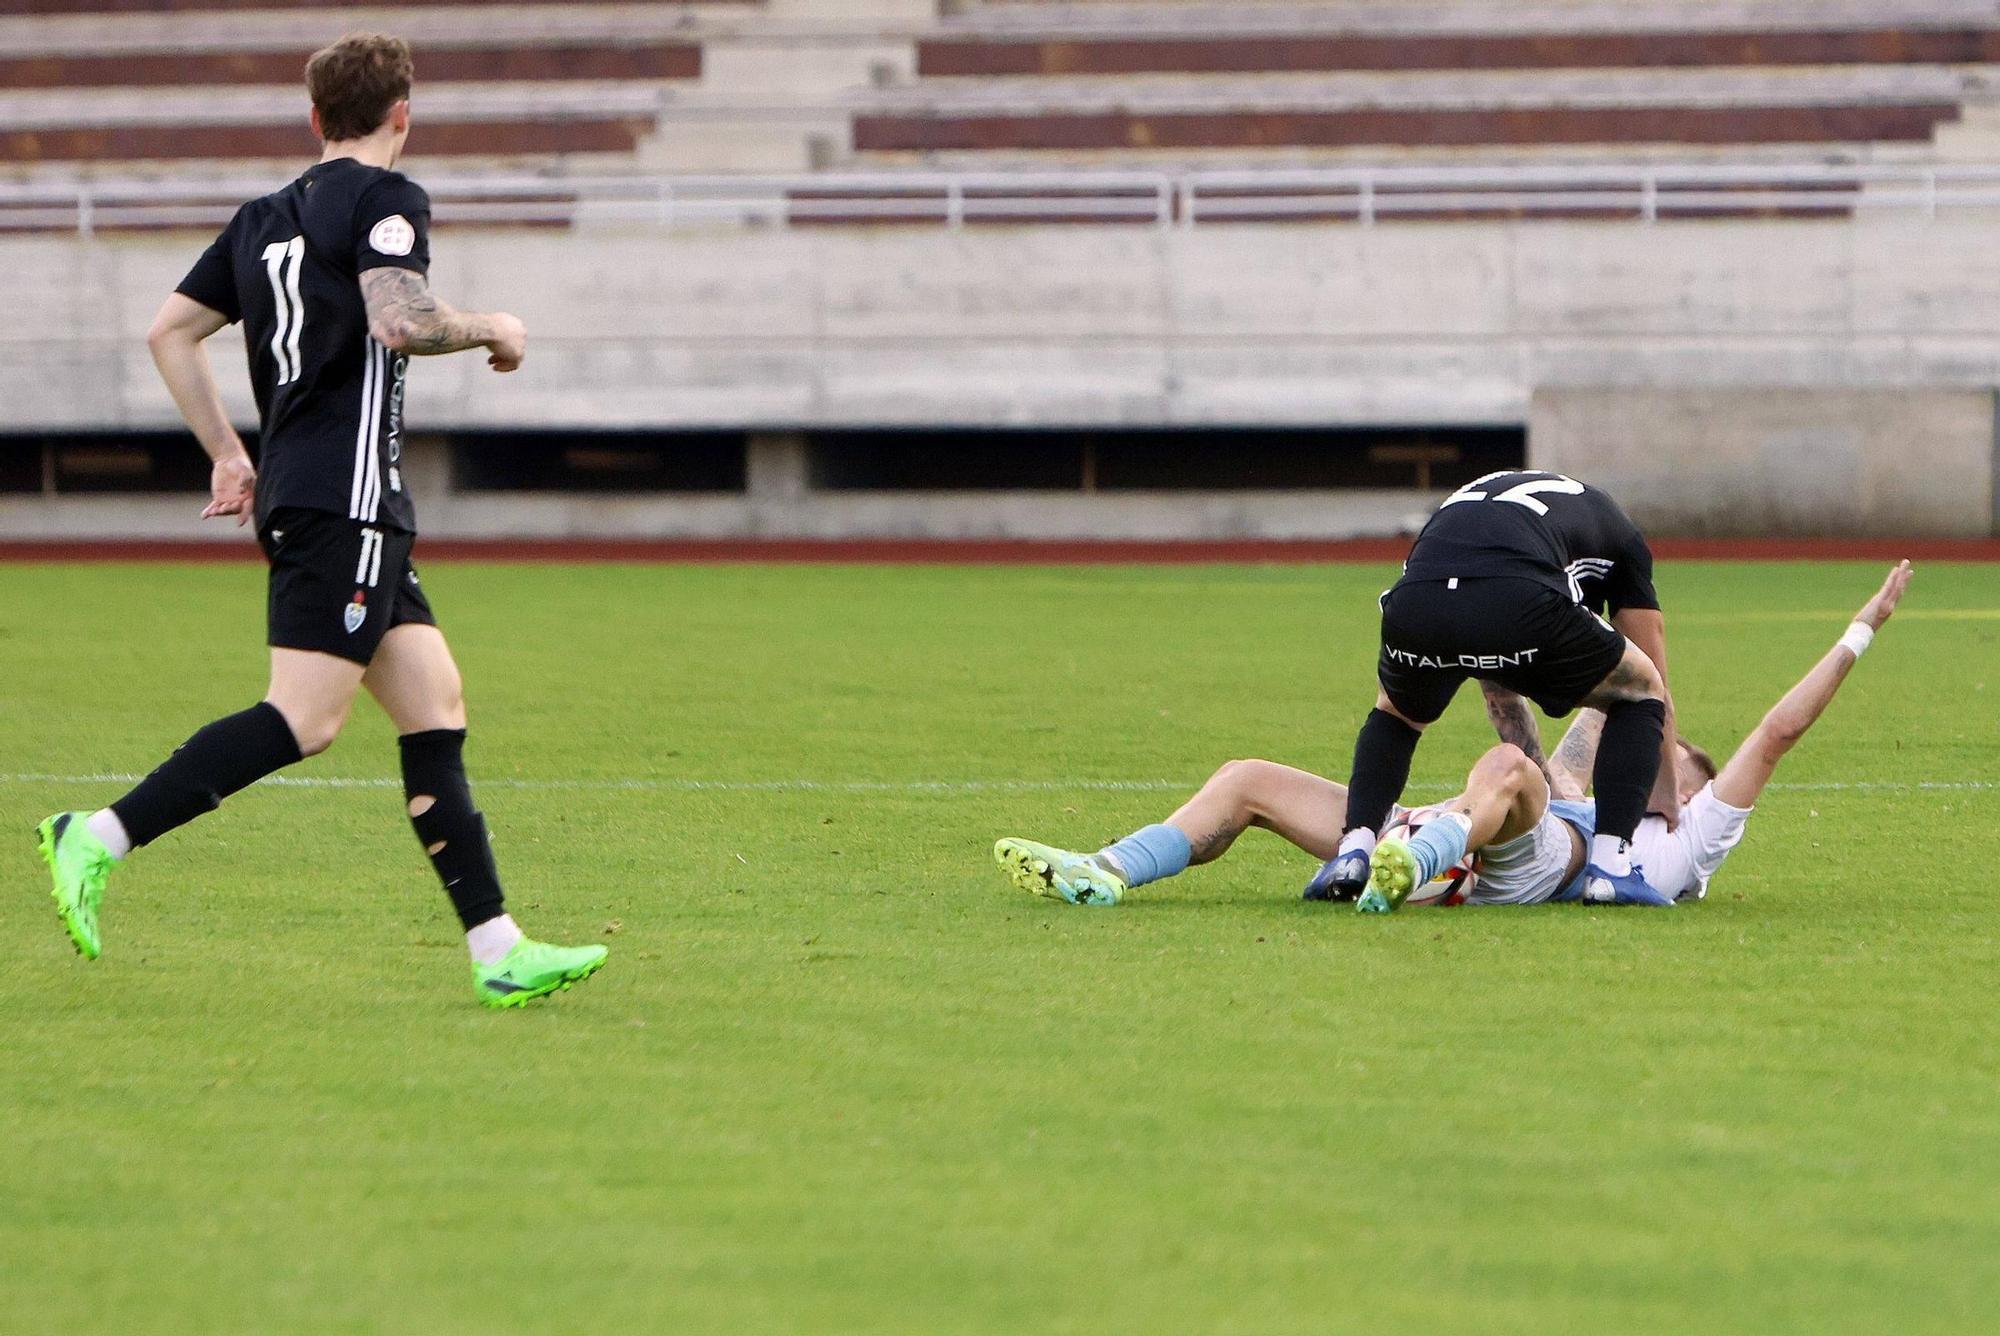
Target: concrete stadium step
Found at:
253, 105
1483, 88
1167, 17
517, 22
570, 60
1227, 52
327, 14
1381, 129
513, 141
1974, 137
1813, 106
493, 120
1493, 155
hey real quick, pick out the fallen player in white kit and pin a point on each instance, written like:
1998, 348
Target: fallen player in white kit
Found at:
1531, 844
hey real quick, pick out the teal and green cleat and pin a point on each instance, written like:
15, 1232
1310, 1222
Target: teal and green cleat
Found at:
1392, 875
1058, 873
534, 969
80, 865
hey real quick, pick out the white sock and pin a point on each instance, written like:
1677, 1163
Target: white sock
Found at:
1611, 854
1361, 839
106, 826
490, 941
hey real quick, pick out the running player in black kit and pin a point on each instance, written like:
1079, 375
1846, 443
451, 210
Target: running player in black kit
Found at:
328, 278
1503, 585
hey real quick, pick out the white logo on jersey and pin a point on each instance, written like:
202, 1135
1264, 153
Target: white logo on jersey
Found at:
1587, 568
1475, 662
393, 236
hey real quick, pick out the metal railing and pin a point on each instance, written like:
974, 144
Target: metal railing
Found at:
1641, 193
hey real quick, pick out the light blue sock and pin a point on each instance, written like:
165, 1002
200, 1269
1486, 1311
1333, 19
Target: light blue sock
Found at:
1440, 844
1152, 854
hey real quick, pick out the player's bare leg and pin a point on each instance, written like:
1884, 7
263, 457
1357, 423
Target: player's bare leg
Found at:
1302, 808
1505, 796
315, 693
415, 680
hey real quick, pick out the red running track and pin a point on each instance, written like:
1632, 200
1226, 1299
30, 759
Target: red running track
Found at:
993, 553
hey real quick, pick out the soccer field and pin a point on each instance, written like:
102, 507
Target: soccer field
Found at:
839, 1076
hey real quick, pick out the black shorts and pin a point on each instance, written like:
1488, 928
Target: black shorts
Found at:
1519, 633
338, 585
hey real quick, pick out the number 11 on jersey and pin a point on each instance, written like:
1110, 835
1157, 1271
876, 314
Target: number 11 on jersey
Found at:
282, 260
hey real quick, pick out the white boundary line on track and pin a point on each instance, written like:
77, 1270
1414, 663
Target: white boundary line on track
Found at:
910, 786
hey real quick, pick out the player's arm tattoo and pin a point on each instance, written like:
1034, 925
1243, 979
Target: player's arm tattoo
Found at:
1514, 721
405, 315
1576, 753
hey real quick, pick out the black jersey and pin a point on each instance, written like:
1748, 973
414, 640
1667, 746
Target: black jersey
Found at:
1539, 526
329, 397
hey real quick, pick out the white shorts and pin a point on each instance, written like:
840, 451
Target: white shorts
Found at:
1528, 869
1680, 862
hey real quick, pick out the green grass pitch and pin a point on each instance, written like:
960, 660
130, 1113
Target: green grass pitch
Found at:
838, 1076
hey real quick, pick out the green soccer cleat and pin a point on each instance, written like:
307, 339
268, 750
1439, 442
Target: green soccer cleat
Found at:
1392, 875
1058, 874
534, 969
80, 865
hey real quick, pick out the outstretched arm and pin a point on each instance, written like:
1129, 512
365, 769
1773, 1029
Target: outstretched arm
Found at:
175, 341
1750, 769
405, 316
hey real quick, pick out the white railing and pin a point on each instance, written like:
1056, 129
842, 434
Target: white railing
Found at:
1643, 193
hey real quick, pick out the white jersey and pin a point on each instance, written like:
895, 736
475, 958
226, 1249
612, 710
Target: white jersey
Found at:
1680, 862
1534, 867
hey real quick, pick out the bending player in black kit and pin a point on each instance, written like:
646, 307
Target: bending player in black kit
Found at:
328, 278
1503, 586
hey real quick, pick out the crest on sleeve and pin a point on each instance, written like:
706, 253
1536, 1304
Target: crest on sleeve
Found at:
393, 236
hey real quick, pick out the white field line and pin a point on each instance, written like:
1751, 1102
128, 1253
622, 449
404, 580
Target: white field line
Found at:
909, 786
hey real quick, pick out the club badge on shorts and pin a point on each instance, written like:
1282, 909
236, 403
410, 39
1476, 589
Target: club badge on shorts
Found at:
357, 613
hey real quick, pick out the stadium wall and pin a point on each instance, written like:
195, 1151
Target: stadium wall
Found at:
1567, 326
1727, 463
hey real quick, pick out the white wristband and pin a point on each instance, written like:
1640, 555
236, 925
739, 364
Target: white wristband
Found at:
1857, 638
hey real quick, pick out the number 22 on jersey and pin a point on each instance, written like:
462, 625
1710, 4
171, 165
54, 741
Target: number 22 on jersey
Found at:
1521, 494
282, 260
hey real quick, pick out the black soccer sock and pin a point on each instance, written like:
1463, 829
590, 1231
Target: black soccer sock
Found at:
451, 829
230, 754
1628, 760
1381, 769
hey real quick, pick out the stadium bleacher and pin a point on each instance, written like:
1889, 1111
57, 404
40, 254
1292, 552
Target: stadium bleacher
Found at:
797, 149
872, 84
1308, 81
205, 82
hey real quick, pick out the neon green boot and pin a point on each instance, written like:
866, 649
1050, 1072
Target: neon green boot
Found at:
1058, 874
1392, 875
80, 866
534, 969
